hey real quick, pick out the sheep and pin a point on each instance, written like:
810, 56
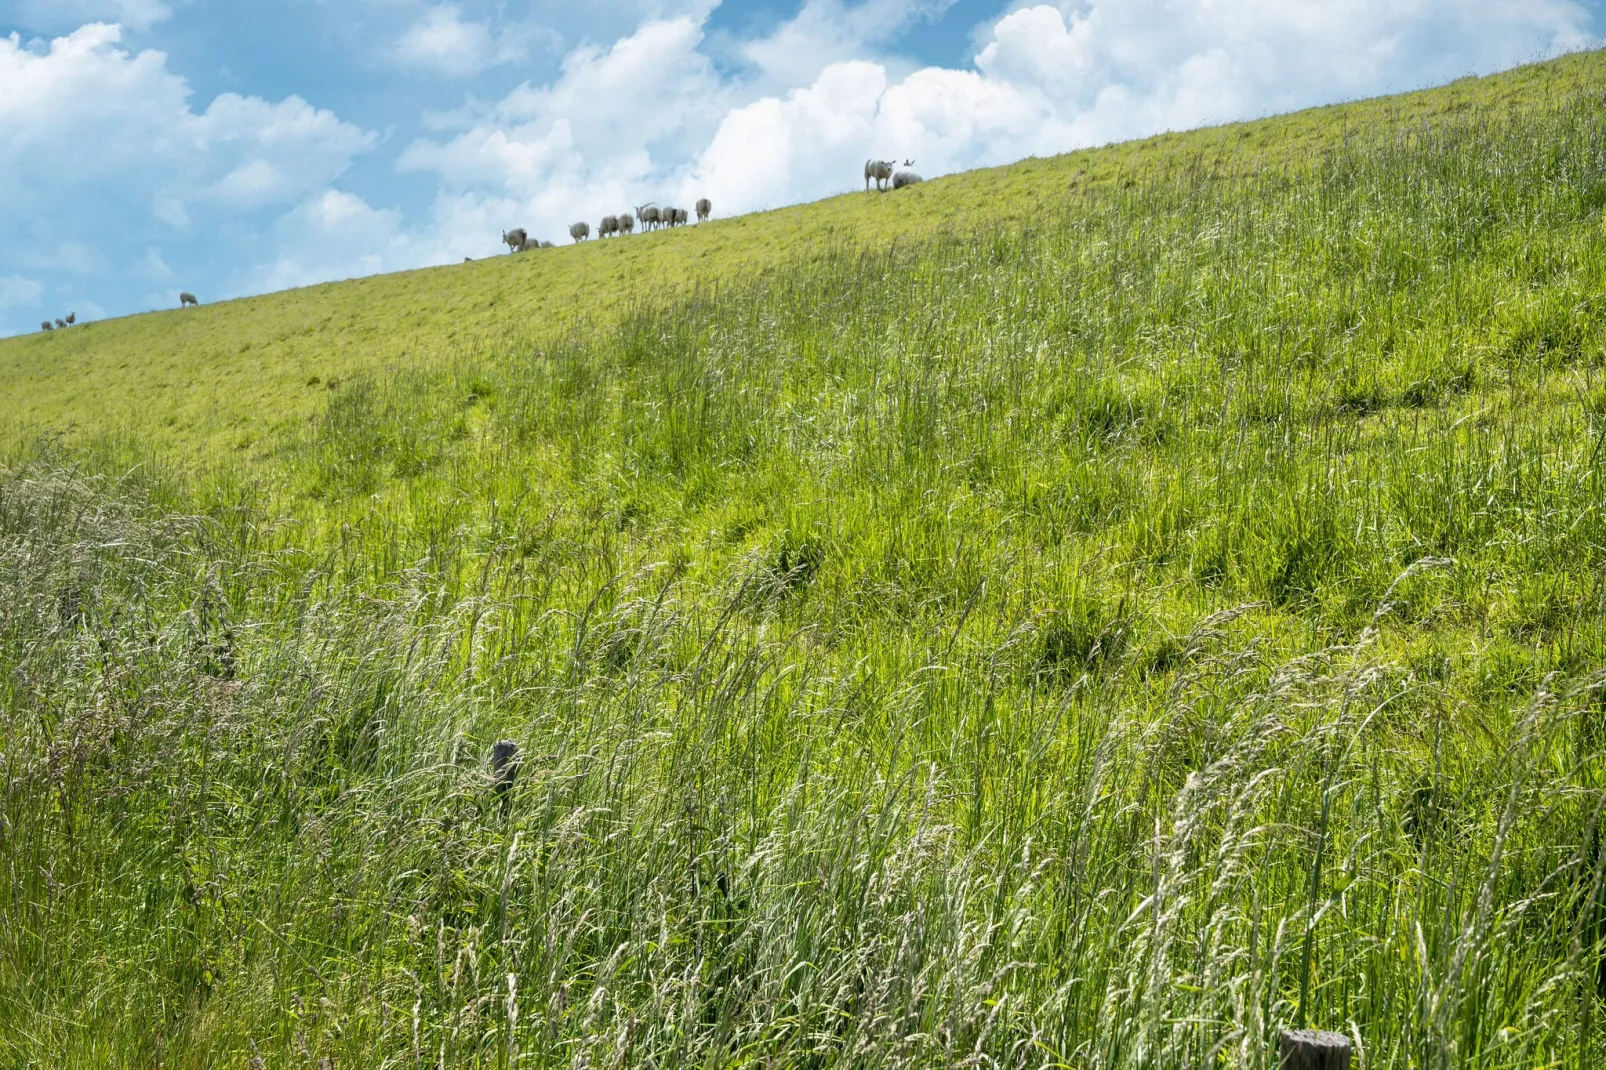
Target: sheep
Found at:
674, 217
546, 245
905, 178
649, 216
529, 243
580, 231
880, 170
187, 298
627, 222
514, 239
46, 326
72, 318
61, 324
609, 225
704, 207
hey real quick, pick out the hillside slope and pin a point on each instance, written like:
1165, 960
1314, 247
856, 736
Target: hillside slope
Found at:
1101, 635
191, 382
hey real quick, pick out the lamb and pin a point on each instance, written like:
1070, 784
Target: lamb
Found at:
580, 231
704, 207
187, 298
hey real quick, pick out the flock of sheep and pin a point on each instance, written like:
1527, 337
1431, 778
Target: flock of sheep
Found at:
651, 217
185, 298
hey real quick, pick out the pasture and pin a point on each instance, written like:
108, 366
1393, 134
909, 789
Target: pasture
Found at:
1092, 613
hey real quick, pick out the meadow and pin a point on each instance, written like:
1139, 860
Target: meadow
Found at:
1095, 614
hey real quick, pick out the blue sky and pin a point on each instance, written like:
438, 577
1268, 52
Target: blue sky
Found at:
232, 147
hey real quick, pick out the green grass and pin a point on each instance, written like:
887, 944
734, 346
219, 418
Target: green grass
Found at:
1095, 613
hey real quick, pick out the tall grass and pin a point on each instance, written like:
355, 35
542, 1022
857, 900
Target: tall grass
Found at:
1100, 644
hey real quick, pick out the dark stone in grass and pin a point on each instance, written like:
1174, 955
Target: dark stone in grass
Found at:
504, 765
1314, 1049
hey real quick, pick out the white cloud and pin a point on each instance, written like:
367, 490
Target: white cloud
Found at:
588, 143
108, 174
1050, 79
649, 119
332, 235
443, 42
152, 266
16, 290
824, 32
84, 91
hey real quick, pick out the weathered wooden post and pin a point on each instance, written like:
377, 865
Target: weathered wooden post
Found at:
504, 767
1314, 1049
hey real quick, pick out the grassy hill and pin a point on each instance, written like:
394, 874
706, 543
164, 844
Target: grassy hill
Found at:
1094, 613
220, 378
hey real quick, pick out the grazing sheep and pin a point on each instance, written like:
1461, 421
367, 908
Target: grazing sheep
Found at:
72, 318
187, 298
514, 239
674, 217
704, 207
879, 170
627, 222
649, 216
61, 324
46, 326
546, 245
906, 178
580, 231
609, 225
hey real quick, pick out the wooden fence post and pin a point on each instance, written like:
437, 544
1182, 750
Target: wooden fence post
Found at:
504, 765
1314, 1049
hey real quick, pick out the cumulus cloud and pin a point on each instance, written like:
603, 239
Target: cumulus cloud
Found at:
103, 158
444, 42
148, 145
827, 31
1115, 68
16, 290
1049, 79
604, 132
